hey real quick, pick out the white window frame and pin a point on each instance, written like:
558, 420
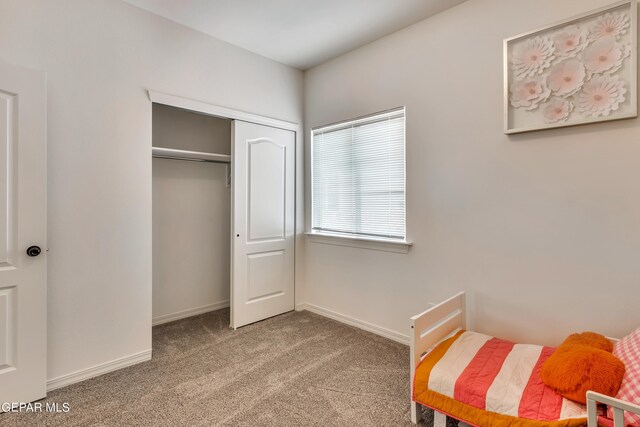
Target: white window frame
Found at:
344, 239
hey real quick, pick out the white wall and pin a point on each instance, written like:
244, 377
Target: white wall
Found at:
191, 216
191, 229
541, 229
101, 56
187, 130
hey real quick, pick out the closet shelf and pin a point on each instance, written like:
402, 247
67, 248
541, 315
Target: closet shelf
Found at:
195, 156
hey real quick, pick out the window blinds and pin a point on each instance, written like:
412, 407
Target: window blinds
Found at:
358, 176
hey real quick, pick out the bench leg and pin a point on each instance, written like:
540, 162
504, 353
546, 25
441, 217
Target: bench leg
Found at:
416, 412
439, 419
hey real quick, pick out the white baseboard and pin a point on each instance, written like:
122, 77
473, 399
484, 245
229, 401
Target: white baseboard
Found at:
166, 318
342, 318
98, 370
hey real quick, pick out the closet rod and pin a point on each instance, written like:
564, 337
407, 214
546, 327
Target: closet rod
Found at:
194, 156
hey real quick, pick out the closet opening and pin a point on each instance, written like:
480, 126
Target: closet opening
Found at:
191, 213
224, 212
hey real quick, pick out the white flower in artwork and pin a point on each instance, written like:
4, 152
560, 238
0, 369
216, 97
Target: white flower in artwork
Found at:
610, 25
570, 41
626, 52
528, 93
532, 57
604, 55
566, 77
556, 110
601, 95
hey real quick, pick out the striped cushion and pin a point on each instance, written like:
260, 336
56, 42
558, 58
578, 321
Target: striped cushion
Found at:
476, 375
628, 350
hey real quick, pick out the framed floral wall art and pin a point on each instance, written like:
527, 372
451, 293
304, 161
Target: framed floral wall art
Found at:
582, 70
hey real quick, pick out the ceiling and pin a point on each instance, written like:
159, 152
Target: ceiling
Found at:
299, 33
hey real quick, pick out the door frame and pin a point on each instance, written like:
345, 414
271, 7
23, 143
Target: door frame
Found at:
203, 107
219, 111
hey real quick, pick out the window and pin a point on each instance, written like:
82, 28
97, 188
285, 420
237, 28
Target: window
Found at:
358, 177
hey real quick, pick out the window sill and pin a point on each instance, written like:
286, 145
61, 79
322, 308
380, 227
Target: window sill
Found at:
397, 246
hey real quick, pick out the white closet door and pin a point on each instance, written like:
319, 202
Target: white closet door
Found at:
262, 272
23, 221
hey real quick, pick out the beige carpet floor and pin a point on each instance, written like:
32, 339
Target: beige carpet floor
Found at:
297, 369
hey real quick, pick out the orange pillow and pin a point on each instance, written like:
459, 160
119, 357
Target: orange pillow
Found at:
575, 368
590, 339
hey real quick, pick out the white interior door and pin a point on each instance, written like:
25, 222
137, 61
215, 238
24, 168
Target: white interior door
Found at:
23, 186
262, 271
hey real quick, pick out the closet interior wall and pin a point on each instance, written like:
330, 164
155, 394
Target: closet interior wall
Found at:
191, 216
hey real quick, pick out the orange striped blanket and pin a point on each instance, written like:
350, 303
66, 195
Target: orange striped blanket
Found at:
487, 381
